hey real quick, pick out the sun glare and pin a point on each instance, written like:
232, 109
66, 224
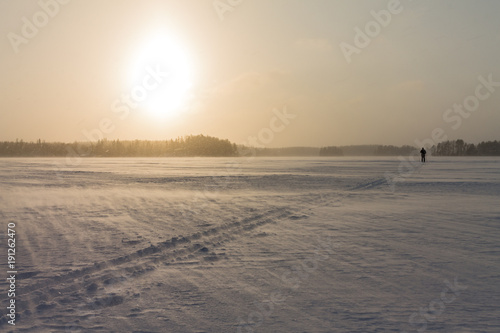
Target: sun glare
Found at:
161, 77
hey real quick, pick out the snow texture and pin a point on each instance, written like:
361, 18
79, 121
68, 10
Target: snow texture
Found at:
253, 245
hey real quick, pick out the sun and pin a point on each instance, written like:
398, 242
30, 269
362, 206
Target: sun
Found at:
161, 76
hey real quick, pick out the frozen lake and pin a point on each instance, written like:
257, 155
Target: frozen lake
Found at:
253, 245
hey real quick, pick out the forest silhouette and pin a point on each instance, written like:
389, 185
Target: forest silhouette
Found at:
207, 146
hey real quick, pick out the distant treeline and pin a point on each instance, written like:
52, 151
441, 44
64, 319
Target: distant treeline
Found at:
365, 150
461, 148
193, 145
201, 145
288, 151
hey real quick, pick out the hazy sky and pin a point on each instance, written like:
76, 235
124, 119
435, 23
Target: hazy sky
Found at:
286, 72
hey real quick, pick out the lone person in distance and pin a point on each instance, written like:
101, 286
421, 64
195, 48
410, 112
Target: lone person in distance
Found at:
422, 154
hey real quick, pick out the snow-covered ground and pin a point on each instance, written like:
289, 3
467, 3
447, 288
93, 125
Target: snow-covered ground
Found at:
253, 245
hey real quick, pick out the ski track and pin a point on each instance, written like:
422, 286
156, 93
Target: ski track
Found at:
178, 250
78, 294
44, 294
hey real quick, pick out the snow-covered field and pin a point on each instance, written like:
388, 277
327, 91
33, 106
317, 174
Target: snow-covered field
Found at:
258, 245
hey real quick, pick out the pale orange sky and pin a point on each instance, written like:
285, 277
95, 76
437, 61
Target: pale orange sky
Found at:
226, 76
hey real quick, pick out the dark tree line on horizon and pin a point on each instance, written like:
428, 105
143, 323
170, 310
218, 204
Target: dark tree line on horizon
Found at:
366, 150
461, 148
193, 145
331, 151
201, 145
447, 148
